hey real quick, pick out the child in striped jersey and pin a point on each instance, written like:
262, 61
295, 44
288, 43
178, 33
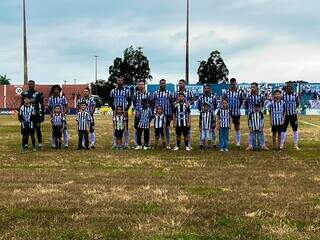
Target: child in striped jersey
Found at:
256, 125
144, 125
84, 121
223, 120
26, 117
206, 125
159, 126
58, 122
120, 124
277, 115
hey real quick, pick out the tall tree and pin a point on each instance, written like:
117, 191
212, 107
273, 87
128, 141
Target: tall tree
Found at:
133, 66
213, 70
4, 80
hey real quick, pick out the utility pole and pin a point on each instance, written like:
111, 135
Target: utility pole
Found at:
25, 51
187, 42
140, 49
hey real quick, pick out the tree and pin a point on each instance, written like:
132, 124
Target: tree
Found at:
4, 80
213, 70
133, 66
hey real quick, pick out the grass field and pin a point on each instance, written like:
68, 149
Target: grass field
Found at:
105, 194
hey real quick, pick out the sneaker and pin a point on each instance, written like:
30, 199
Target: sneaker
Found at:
188, 148
176, 148
168, 148
138, 148
40, 145
214, 145
146, 148
249, 148
264, 147
296, 147
226, 150
66, 146
34, 149
191, 148
221, 150
238, 146
92, 146
281, 147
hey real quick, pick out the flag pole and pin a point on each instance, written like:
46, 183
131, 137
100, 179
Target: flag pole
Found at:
25, 51
187, 42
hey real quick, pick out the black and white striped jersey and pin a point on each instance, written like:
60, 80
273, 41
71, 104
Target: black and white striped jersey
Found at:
251, 100
188, 96
84, 119
163, 99
182, 113
256, 121
58, 120
210, 99
121, 97
26, 116
235, 100
291, 101
137, 98
159, 121
277, 112
57, 101
120, 122
91, 104
224, 117
206, 120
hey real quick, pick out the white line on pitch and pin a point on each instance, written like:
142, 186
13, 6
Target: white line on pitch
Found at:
311, 124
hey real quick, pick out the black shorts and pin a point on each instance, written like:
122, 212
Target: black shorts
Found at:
293, 120
56, 131
159, 132
235, 119
118, 133
182, 130
136, 122
27, 130
92, 126
276, 128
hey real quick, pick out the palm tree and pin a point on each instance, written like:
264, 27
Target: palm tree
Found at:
4, 80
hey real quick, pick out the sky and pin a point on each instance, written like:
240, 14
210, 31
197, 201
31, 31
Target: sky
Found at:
259, 40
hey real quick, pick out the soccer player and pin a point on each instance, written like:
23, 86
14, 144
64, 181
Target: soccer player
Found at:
256, 125
144, 125
120, 124
235, 100
90, 109
84, 119
210, 98
121, 96
182, 122
159, 126
27, 117
36, 99
223, 121
58, 125
251, 100
277, 115
164, 98
56, 99
291, 101
206, 125
138, 96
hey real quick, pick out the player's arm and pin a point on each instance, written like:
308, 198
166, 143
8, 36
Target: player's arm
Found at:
189, 118
63, 124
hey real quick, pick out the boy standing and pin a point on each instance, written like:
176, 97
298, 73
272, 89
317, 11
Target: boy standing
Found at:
144, 125
182, 122
223, 119
84, 121
277, 116
256, 124
206, 125
26, 117
58, 125
120, 124
159, 126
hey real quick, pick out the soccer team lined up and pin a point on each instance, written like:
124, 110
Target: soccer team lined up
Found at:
158, 110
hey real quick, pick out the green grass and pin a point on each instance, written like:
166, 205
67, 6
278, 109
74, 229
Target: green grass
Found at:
158, 194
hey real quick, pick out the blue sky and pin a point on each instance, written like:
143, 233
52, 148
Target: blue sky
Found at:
260, 40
